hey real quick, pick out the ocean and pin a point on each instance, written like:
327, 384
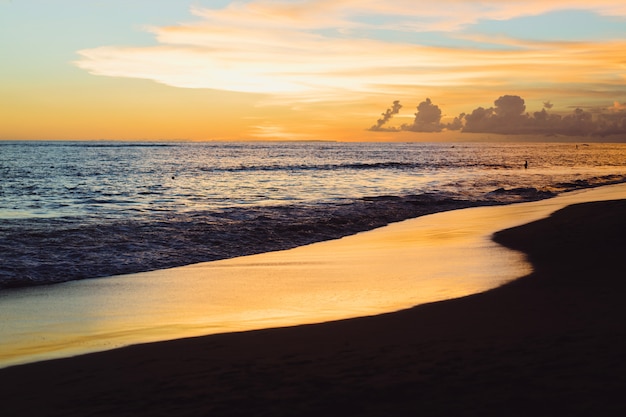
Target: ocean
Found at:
76, 210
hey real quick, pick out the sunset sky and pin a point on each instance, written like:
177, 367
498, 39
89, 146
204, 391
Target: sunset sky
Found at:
317, 69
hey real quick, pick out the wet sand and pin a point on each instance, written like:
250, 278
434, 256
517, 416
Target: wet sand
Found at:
431, 258
551, 343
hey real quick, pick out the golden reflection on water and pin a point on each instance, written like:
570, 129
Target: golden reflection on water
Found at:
431, 258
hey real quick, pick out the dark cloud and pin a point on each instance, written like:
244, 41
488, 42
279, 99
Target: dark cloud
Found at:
427, 118
506, 117
479, 120
457, 123
510, 107
387, 115
509, 116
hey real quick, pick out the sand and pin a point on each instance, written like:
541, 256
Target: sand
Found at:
430, 258
551, 343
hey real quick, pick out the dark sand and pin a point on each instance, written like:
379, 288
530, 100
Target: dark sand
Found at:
550, 344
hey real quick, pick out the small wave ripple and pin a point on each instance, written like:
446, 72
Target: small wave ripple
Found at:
44, 251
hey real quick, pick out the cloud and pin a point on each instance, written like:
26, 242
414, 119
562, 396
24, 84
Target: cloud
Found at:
436, 16
387, 115
277, 61
508, 116
427, 118
509, 107
305, 51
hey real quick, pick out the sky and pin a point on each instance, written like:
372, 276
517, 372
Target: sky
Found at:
307, 69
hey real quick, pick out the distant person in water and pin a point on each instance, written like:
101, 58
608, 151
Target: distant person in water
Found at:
525, 164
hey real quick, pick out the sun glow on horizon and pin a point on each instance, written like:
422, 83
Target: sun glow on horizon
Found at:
324, 68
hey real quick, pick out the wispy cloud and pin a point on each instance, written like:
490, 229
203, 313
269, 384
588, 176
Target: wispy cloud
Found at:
305, 51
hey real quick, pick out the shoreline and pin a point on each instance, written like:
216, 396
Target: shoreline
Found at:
431, 258
550, 343
132, 247
116, 246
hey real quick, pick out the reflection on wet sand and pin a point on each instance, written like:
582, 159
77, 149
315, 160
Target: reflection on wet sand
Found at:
430, 258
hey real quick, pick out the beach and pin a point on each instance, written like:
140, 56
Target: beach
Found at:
429, 258
550, 343
312, 208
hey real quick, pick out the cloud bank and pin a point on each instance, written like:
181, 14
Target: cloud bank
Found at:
509, 116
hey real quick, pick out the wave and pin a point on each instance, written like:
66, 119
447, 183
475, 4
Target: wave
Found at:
40, 251
75, 144
391, 165
75, 249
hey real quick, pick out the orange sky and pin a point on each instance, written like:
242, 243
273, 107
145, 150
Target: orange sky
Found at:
247, 70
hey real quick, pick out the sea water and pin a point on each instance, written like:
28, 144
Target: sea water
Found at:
74, 210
